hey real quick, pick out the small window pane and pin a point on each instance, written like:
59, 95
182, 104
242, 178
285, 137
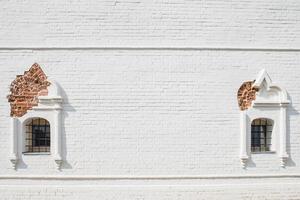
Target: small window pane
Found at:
42, 121
38, 135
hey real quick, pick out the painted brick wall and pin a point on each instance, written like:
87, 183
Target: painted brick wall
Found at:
237, 23
147, 112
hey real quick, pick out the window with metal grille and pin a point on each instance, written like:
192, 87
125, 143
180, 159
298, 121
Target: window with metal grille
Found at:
261, 135
37, 136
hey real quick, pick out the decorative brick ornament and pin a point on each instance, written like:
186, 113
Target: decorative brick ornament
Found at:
246, 94
26, 89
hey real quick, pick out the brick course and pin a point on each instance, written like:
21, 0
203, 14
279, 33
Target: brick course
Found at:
163, 104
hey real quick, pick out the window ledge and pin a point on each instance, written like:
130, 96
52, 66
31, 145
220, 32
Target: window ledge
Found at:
264, 152
37, 153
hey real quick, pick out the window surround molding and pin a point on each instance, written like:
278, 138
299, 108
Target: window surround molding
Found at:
50, 108
271, 102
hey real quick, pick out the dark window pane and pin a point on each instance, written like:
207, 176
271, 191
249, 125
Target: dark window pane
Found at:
261, 130
38, 136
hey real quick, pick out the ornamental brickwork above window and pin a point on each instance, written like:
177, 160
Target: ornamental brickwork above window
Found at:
26, 89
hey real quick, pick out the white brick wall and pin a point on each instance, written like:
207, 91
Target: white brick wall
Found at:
236, 23
151, 112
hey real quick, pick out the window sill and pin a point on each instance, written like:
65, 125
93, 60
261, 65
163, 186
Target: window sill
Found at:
36, 153
264, 152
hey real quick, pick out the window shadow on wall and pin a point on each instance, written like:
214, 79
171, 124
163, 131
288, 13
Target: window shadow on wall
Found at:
67, 110
291, 114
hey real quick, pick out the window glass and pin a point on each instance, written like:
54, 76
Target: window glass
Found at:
37, 136
261, 135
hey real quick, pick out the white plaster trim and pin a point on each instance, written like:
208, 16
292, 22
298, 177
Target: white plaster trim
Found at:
245, 123
268, 104
14, 141
244, 154
283, 155
167, 177
264, 76
148, 47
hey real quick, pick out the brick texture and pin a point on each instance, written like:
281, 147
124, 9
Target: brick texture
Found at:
143, 111
152, 112
154, 23
246, 94
26, 89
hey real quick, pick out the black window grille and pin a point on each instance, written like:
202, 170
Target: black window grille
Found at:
37, 136
261, 135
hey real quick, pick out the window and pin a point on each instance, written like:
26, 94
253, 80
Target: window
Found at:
37, 136
262, 97
35, 102
261, 135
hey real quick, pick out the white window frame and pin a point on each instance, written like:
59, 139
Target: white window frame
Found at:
271, 102
50, 108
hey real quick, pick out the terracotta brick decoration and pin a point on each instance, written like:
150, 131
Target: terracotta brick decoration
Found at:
25, 90
246, 95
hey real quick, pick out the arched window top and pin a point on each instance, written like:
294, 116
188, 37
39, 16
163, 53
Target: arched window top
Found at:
32, 120
262, 120
37, 135
35, 120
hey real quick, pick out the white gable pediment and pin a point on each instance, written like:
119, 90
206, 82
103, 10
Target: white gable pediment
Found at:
269, 94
